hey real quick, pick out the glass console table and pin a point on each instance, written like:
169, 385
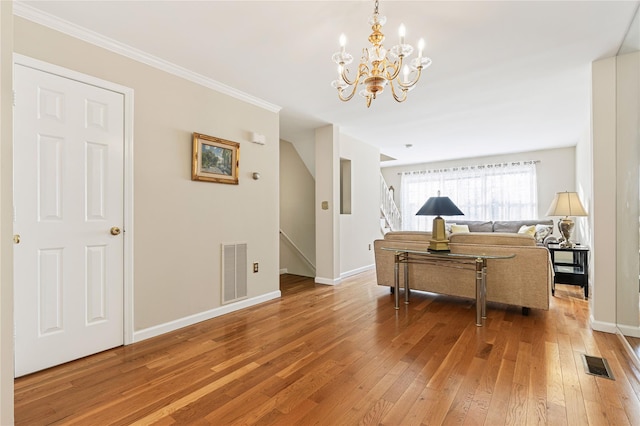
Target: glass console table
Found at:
477, 262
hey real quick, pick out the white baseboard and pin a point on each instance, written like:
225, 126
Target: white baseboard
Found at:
327, 281
629, 330
357, 271
629, 349
284, 271
157, 330
607, 327
343, 275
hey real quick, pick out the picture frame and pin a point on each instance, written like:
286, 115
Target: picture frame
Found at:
215, 159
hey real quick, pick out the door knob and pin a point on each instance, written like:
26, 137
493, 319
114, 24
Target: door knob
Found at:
16, 239
115, 230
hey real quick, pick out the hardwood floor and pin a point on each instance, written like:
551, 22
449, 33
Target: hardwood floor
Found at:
343, 356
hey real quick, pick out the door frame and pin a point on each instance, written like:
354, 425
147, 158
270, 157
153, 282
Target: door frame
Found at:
18, 59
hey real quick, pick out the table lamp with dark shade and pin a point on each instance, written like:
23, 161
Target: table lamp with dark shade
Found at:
566, 204
437, 206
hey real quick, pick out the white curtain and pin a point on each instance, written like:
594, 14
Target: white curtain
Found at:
505, 191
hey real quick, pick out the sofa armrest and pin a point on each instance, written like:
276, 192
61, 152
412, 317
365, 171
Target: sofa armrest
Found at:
385, 260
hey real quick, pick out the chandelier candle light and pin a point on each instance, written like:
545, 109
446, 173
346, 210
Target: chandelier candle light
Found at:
379, 66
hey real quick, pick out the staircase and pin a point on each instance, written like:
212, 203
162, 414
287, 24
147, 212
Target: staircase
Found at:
389, 214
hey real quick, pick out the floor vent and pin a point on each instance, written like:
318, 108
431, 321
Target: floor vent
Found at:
597, 366
234, 272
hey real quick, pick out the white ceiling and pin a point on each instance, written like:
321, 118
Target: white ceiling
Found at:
507, 76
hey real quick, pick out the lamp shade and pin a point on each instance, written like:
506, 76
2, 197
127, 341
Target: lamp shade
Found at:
439, 206
566, 204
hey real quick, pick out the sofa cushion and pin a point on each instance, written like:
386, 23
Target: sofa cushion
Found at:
459, 228
527, 229
493, 238
542, 232
515, 225
476, 225
407, 236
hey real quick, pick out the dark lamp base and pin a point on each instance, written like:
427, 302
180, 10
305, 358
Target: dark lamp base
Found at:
430, 250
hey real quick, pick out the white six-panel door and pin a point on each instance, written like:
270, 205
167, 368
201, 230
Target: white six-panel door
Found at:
68, 200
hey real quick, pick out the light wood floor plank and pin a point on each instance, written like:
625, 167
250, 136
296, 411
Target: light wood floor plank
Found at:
574, 400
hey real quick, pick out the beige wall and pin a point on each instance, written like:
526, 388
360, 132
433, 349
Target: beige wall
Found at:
627, 157
327, 148
6, 217
179, 224
584, 188
343, 241
297, 212
603, 216
556, 172
361, 227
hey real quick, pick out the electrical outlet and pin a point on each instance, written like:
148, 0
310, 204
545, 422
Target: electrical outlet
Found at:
255, 267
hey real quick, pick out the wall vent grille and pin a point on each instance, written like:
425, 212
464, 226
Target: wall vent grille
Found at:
234, 272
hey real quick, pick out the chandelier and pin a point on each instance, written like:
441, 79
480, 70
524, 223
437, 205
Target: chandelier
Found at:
379, 66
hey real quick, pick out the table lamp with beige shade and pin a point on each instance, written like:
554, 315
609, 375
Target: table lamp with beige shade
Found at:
566, 204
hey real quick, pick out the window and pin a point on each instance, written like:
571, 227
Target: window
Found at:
506, 191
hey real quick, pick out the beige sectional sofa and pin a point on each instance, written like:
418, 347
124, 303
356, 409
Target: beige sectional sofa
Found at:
524, 280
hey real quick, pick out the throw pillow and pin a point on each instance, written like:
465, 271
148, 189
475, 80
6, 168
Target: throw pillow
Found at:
542, 232
527, 229
459, 228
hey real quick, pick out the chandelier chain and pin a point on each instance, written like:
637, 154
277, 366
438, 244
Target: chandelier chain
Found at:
375, 12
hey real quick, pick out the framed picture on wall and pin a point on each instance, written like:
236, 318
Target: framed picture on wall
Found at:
215, 159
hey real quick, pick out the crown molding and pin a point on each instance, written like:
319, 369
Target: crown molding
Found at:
35, 15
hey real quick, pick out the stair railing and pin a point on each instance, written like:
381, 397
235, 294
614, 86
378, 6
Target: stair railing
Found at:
388, 207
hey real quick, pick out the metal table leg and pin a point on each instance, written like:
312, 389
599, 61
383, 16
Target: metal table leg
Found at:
406, 280
484, 288
396, 270
480, 305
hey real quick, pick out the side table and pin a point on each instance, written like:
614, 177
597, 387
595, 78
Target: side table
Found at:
573, 269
